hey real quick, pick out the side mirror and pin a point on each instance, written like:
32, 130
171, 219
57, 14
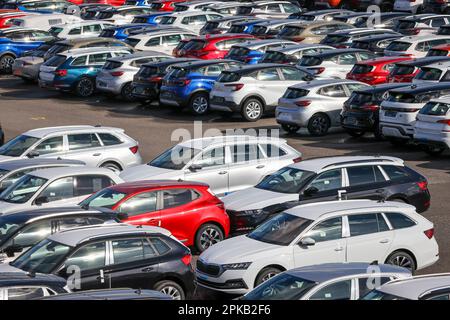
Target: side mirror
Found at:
310, 191
307, 242
33, 154
12, 250
308, 77
195, 167
41, 200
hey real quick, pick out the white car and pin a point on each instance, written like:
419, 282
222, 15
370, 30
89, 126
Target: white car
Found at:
326, 232
432, 127
55, 188
79, 29
254, 90
193, 5
44, 21
413, 6
163, 41
435, 72
416, 46
190, 20
292, 53
226, 163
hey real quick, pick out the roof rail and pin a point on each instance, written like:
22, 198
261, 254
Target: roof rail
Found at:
357, 161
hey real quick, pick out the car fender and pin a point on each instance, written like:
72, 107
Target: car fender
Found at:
253, 94
10, 52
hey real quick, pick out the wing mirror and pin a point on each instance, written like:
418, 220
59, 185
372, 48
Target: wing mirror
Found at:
41, 200
33, 154
195, 167
307, 242
12, 250
310, 191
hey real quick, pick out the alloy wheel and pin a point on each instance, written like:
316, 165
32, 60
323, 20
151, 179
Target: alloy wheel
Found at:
200, 105
85, 87
6, 63
401, 261
209, 237
268, 276
253, 110
320, 125
172, 291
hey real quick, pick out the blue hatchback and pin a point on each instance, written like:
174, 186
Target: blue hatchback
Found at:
188, 84
123, 31
150, 18
251, 52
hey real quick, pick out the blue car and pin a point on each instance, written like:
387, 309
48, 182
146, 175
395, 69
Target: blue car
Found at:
123, 31
150, 18
251, 52
137, 2
38, 6
244, 26
15, 41
188, 84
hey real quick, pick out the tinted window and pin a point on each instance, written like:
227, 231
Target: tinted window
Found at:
213, 157
88, 257
171, 40
139, 204
435, 109
75, 31
364, 175
272, 151
17, 146
341, 290
72, 222
336, 91
177, 197
88, 184
368, 284
59, 189
399, 221
50, 145
160, 245
80, 61
327, 230
245, 152
130, 250
83, 141
395, 173
293, 74
329, 180
361, 224
33, 233
99, 58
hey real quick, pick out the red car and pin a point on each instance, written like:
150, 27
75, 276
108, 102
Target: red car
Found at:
211, 46
115, 3
374, 71
165, 5
6, 17
189, 210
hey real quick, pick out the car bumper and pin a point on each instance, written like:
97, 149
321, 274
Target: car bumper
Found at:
288, 116
400, 131
144, 91
230, 285
172, 99
367, 121
221, 104
108, 86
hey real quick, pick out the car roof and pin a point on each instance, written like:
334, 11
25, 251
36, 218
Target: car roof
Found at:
136, 186
317, 83
168, 62
72, 237
139, 54
275, 22
299, 46
355, 31
205, 142
159, 32
314, 211
53, 173
111, 294
43, 132
417, 88
331, 53
246, 68
200, 63
128, 25
415, 39
35, 162
378, 37
82, 51
259, 43
23, 278
75, 41
423, 61
415, 287
82, 23
384, 59
328, 271
422, 16
383, 87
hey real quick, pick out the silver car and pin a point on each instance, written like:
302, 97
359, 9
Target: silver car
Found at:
316, 105
226, 163
96, 146
117, 73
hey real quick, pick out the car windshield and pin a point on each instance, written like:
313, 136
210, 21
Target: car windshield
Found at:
285, 180
174, 158
106, 198
429, 74
44, 257
23, 189
398, 46
280, 230
379, 295
284, 286
17, 146
435, 109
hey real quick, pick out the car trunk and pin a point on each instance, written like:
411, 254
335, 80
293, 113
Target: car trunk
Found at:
432, 118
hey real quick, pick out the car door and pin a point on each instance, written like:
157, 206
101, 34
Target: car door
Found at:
369, 237
365, 182
337, 95
337, 290
210, 167
270, 85
324, 187
50, 148
329, 244
142, 208
22, 41
85, 147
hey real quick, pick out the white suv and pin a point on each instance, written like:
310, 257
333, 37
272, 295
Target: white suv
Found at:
325, 232
80, 29
254, 90
435, 72
162, 40
416, 47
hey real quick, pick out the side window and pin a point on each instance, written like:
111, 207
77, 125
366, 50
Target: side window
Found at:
273, 8
395, 173
177, 197
341, 290
153, 42
109, 139
24, 293
198, 20
99, 58
399, 221
89, 184
130, 250
272, 151
72, 222
75, 31
50, 145
83, 141
88, 257
245, 152
382, 225
366, 284
336, 91
269, 74
361, 224
444, 296
59, 189
290, 8
160, 245
214, 70
80, 61
171, 40
93, 28
347, 59
327, 230
329, 180
293, 74
437, 22
354, 86
33, 233
139, 204
364, 175
365, 56
213, 157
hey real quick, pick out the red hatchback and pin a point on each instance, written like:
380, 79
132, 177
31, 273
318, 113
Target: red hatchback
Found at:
164, 5
5, 18
211, 46
189, 210
374, 71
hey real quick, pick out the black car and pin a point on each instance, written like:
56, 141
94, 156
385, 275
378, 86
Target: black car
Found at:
113, 255
26, 286
147, 81
375, 43
111, 294
360, 113
22, 230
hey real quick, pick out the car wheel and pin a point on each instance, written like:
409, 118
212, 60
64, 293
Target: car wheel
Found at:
208, 235
355, 133
266, 274
199, 103
85, 87
318, 125
112, 166
402, 259
126, 92
434, 151
290, 128
171, 288
252, 110
378, 134
6, 62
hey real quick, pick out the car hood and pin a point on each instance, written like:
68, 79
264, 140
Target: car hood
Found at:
7, 158
225, 251
6, 267
255, 198
6, 207
146, 172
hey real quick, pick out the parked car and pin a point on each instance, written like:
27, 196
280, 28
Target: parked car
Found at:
252, 51
188, 85
360, 113
254, 90
164, 5
222, 25
374, 71
219, 162
228, 8
344, 38
317, 15
39, 6
191, 20
318, 180
268, 9
388, 19
166, 262
328, 281
44, 21
117, 73
405, 71
78, 30
270, 28
421, 24
187, 209
327, 232
426, 287
5, 18
311, 32
375, 44
97, 146
385, 5
75, 70
124, 31
290, 54
193, 5
21, 230
163, 41
436, 72
110, 294
416, 46
212, 46
440, 50
152, 18
334, 63
398, 112
245, 26
415, 6
114, 3
352, 17
121, 15
431, 130
147, 81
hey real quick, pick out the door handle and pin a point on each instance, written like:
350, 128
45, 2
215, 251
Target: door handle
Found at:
97, 154
384, 241
223, 172
148, 269
339, 249
260, 166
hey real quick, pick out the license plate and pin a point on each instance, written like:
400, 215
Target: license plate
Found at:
392, 114
138, 90
219, 99
284, 116
166, 94
350, 120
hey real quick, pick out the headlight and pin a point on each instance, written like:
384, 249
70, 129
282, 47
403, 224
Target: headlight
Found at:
251, 212
236, 266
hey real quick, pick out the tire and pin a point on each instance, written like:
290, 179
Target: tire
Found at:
434, 151
318, 125
252, 110
111, 166
265, 274
126, 92
355, 133
85, 87
199, 103
207, 235
6, 62
402, 259
171, 288
290, 128
378, 134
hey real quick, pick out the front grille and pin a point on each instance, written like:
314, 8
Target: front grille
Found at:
230, 284
210, 269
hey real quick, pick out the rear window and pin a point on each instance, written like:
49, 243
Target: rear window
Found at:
435, 109
227, 76
437, 53
360, 98
55, 61
243, 10
109, 65
181, 8
195, 45
360, 45
132, 42
335, 39
294, 93
211, 25
274, 57
430, 74
308, 61
148, 71
289, 31
399, 221
236, 29
177, 73
361, 68
400, 70
238, 51
401, 97
406, 24
395, 173
398, 46
57, 48
54, 31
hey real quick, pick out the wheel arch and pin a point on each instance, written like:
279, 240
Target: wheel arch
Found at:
273, 265
402, 249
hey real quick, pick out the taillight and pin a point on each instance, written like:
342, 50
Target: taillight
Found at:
187, 259
370, 107
154, 79
182, 82
319, 70
235, 86
297, 160
423, 185
134, 149
429, 233
116, 73
220, 205
61, 72
303, 103
445, 121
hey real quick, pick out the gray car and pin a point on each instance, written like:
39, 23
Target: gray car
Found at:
97, 146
